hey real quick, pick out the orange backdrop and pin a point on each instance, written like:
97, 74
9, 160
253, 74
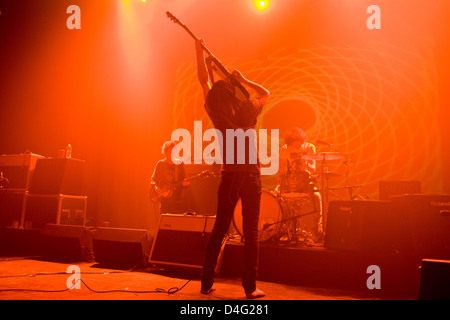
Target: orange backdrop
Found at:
119, 86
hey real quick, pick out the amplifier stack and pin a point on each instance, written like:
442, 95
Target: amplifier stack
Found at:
35, 191
16, 172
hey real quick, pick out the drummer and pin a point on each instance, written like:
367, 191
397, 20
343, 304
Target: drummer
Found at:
291, 162
292, 152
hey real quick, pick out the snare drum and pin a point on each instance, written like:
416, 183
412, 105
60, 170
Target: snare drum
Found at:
295, 183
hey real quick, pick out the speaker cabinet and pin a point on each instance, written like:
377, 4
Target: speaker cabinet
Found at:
66, 243
387, 189
58, 176
18, 170
434, 280
363, 226
427, 223
12, 204
54, 209
123, 248
181, 241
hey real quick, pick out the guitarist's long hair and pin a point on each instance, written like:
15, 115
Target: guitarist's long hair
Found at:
167, 146
221, 104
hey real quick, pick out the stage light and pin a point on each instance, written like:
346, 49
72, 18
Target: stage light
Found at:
261, 4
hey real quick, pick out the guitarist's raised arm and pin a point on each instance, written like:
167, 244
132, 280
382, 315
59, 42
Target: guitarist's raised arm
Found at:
202, 70
262, 93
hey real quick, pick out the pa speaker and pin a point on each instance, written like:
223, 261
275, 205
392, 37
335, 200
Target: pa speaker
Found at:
427, 223
368, 225
181, 241
58, 176
434, 280
66, 243
122, 248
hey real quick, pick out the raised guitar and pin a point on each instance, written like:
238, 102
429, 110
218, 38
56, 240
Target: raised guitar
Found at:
241, 92
157, 193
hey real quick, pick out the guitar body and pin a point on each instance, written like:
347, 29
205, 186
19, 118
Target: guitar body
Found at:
166, 191
156, 193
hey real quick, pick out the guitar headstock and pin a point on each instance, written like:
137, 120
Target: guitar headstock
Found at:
173, 18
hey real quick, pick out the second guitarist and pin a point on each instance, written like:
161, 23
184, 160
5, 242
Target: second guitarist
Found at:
169, 183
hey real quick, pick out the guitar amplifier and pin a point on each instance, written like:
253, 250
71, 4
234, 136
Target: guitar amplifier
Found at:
364, 226
427, 223
17, 170
181, 240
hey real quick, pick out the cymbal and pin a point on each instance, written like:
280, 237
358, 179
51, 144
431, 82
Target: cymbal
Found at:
324, 156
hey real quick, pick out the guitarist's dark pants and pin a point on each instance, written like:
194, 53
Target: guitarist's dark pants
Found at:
234, 186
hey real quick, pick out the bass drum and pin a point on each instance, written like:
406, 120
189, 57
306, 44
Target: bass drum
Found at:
269, 217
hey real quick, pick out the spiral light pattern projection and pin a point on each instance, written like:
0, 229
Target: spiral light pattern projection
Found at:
376, 104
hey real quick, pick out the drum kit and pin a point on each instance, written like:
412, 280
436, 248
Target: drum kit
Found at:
295, 212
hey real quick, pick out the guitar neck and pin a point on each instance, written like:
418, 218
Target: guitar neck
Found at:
218, 64
196, 38
201, 174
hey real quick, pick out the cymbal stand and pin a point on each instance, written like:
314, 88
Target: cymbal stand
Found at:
324, 192
347, 183
350, 188
347, 169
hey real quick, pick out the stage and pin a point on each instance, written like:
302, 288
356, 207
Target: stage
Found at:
350, 125
34, 279
319, 267
285, 273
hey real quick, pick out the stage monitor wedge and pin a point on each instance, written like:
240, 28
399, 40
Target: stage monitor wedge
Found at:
121, 247
66, 243
434, 280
